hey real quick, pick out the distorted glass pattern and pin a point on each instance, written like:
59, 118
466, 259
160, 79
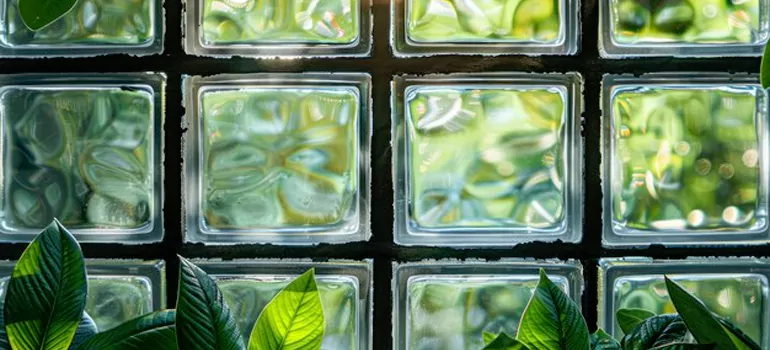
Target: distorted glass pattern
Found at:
685, 158
687, 21
90, 22
484, 20
80, 155
247, 296
452, 312
280, 21
485, 157
738, 297
277, 158
112, 300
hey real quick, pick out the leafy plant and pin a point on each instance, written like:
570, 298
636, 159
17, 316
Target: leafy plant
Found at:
46, 296
37, 14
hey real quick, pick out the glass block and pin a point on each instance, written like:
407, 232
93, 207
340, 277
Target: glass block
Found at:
85, 149
685, 160
493, 27
278, 28
487, 159
278, 158
118, 291
683, 28
450, 304
734, 288
344, 287
91, 28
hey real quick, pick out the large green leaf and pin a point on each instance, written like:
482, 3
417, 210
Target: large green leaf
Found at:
600, 340
738, 333
37, 14
683, 346
203, 320
764, 68
86, 330
701, 322
552, 321
505, 342
152, 331
293, 320
655, 331
628, 319
488, 337
47, 292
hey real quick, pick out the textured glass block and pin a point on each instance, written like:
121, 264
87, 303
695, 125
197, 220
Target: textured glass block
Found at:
279, 28
490, 159
344, 288
92, 27
279, 162
85, 153
736, 289
426, 27
684, 27
117, 291
685, 160
450, 305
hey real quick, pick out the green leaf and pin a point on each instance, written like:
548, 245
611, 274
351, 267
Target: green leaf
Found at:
738, 333
86, 329
203, 320
505, 342
684, 346
487, 336
151, 331
628, 319
764, 68
600, 340
293, 320
36, 14
47, 292
655, 331
700, 321
552, 321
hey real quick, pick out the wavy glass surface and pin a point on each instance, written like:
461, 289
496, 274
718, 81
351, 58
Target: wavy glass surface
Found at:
279, 158
112, 300
90, 23
280, 21
741, 298
688, 21
81, 155
485, 158
247, 296
686, 158
491, 21
452, 312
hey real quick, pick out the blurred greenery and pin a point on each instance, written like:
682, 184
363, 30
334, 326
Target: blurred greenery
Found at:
484, 20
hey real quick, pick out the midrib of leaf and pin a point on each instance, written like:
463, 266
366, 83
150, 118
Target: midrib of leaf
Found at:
59, 280
294, 315
209, 304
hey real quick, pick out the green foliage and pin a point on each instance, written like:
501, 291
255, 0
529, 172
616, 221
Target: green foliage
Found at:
293, 320
628, 319
151, 331
764, 68
552, 321
37, 14
600, 340
47, 292
203, 319
655, 331
504, 342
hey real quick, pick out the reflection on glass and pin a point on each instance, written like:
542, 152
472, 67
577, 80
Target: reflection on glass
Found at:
687, 21
112, 300
91, 22
490, 21
280, 21
452, 312
738, 297
279, 158
80, 155
685, 158
247, 296
486, 158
